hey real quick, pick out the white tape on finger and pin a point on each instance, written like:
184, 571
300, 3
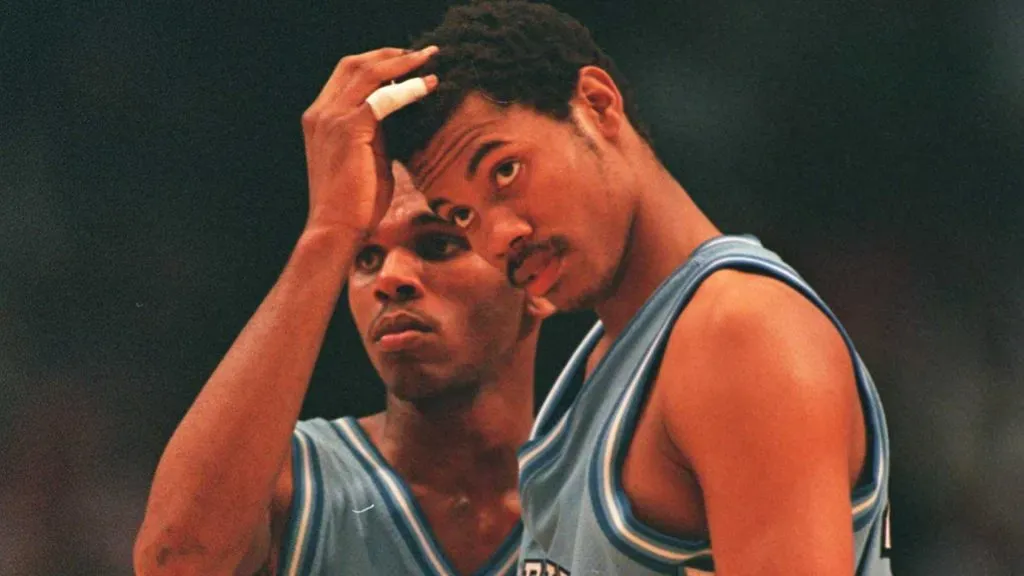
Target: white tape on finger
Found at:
387, 99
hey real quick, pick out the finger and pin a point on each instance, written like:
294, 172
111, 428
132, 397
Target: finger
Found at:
370, 78
386, 99
388, 69
367, 60
352, 63
380, 54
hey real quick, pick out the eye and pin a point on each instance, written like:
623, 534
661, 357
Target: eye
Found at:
462, 217
506, 173
437, 247
369, 259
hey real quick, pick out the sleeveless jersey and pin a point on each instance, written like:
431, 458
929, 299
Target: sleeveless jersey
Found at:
577, 519
352, 513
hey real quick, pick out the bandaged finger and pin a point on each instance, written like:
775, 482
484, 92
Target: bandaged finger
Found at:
387, 99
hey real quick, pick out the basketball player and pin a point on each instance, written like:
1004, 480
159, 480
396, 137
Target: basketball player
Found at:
426, 487
718, 418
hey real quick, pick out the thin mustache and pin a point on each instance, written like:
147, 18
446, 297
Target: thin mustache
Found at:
556, 247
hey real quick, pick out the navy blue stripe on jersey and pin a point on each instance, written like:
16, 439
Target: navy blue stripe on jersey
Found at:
412, 518
560, 397
866, 500
575, 510
375, 471
612, 507
651, 562
649, 547
543, 452
503, 561
307, 507
318, 506
408, 515
299, 499
545, 442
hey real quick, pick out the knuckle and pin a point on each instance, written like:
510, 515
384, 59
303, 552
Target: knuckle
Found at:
311, 117
355, 65
349, 65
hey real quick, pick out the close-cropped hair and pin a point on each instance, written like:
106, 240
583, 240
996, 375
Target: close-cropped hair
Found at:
509, 52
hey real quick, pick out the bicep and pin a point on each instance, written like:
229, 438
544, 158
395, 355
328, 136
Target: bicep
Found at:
776, 496
762, 419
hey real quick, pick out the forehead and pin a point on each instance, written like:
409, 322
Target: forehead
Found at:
408, 210
475, 119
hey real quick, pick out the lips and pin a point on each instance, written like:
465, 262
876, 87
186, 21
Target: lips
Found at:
398, 323
535, 269
542, 282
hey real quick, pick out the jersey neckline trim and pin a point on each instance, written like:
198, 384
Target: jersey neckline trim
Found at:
408, 515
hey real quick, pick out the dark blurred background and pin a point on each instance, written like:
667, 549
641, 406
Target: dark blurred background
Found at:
153, 183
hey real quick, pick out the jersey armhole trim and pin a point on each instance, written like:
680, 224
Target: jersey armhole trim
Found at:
305, 518
611, 505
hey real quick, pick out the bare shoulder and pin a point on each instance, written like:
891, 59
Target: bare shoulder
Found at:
745, 318
750, 350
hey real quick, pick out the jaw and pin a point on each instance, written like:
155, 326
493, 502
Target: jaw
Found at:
607, 273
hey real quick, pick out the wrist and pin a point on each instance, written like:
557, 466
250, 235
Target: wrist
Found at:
337, 242
316, 228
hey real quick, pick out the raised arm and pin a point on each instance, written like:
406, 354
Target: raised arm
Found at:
763, 408
224, 479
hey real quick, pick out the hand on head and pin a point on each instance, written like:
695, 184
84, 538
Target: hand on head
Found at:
350, 181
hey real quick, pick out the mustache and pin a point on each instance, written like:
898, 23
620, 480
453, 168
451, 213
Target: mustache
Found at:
522, 251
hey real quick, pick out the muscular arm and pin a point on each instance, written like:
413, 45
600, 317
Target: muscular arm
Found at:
226, 468
763, 408
223, 481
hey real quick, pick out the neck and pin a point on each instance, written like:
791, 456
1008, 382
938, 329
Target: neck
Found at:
466, 441
667, 228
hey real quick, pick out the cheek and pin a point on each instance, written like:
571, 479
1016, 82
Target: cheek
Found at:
360, 304
483, 313
571, 192
493, 329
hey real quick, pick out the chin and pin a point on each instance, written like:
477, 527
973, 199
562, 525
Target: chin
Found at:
574, 298
421, 384
439, 399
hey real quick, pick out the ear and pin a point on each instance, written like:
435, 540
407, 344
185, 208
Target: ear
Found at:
598, 99
538, 307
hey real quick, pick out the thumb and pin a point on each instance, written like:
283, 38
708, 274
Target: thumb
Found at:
539, 307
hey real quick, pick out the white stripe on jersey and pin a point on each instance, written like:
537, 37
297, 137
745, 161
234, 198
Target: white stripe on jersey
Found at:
307, 505
608, 492
396, 494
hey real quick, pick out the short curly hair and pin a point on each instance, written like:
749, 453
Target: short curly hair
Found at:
511, 51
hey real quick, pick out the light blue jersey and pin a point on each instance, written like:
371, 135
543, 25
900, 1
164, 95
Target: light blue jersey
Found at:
353, 515
577, 518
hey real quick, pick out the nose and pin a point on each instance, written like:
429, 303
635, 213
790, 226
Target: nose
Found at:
399, 277
501, 230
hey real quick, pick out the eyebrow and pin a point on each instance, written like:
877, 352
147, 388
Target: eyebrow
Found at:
420, 220
480, 154
428, 219
430, 170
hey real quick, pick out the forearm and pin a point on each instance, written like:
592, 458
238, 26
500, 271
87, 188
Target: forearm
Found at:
213, 485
